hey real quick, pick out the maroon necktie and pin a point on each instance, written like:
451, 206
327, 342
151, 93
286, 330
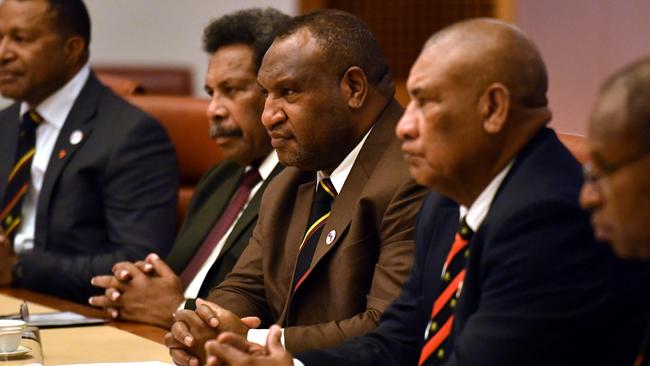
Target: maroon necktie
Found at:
251, 178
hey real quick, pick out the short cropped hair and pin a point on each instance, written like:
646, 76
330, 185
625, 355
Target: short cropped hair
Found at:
253, 27
71, 18
634, 80
346, 40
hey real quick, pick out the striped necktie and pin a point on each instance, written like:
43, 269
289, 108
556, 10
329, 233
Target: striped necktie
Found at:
320, 211
18, 181
442, 315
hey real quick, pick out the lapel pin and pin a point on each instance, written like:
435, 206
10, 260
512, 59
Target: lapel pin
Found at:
62, 153
330, 237
76, 137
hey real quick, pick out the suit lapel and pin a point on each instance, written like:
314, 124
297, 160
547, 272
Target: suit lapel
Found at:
79, 123
189, 241
250, 213
348, 199
8, 141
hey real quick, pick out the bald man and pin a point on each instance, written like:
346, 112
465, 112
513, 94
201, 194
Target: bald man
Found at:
507, 271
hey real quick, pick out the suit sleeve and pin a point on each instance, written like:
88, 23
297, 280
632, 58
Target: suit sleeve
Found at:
395, 340
549, 295
243, 288
393, 266
138, 189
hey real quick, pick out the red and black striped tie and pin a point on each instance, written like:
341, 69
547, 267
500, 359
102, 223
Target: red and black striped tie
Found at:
18, 182
442, 315
320, 211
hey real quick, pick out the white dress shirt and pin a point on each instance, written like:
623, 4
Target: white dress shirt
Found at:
54, 110
338, 178
479, 209
265, 170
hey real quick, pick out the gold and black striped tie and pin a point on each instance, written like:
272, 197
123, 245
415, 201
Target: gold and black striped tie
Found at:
320, 211
18, 182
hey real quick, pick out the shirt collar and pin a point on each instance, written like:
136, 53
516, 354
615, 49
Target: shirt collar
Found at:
267, 165
340, 174
55, 108
479, 209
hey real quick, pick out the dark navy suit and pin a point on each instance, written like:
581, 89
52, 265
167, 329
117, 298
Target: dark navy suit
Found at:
539, 290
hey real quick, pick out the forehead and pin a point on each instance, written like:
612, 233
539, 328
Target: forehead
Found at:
298, 56
607, 132
25, 14
231, 61
439, 63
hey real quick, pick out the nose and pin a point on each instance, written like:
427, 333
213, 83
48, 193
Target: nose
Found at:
406, 128
590, 197
216, 108
273, 113
6, 53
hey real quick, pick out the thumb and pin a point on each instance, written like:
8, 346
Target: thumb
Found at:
160, 266
273, 342
251, 321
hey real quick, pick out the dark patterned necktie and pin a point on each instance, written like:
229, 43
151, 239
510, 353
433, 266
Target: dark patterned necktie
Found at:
19, 176
319, 212
237, 203
442, 315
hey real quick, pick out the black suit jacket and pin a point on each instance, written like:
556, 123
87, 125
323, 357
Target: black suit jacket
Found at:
212, 195
538, 291
111, 198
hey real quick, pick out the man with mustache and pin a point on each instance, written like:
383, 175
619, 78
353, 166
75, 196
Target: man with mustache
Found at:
224, 209
506, 271
617, 180
86, 179
334, 240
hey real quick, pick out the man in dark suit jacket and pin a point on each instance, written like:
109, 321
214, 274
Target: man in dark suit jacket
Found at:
617, 183
331, 115
101, 186
524, 282
153, 292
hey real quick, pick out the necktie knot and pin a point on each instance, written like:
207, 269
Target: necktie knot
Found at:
31, 120
251, 178
325, 191
465, 231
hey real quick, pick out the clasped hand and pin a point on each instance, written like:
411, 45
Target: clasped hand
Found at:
192, 329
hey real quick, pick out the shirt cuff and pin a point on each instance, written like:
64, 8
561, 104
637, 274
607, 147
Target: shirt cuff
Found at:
259, 336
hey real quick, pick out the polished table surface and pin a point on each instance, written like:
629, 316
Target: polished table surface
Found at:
115, 342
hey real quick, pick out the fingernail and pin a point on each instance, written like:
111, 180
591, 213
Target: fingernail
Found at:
148, 267
214, 322
91, 300
188, 341
114, 314
154, 256
92, 281
212, 360
124, 273
115, 295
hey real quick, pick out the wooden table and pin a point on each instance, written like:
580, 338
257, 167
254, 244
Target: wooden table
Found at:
115, 342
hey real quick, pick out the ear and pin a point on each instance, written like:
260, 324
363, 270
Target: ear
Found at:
354, 85
494, 106
74, 48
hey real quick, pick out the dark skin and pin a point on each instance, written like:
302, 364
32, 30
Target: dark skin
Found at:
306, 108
458, 134
132, 284
149, 291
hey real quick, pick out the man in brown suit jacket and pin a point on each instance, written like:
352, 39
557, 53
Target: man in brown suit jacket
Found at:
330, 113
